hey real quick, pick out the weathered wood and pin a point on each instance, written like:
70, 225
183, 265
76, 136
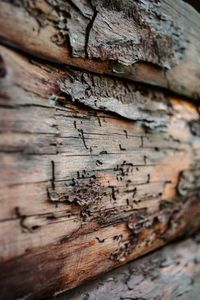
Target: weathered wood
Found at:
82, 190
170, 273
156, 42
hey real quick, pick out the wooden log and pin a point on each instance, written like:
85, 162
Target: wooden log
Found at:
156, 42
169, 273
84, 189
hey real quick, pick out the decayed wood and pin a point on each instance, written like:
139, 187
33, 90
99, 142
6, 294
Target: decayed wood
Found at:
156, 42
170, 273
84, 190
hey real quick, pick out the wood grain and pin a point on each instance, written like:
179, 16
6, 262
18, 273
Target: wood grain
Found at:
156, 42
170, 273
84, 189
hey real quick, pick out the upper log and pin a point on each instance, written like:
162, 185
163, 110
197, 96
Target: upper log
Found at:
156, 42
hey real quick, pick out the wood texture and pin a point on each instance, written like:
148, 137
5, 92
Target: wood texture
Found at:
84, 190
168, 274
156, 42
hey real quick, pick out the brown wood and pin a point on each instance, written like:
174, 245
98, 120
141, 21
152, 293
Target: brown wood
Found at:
88, 183
167, 274
156, 42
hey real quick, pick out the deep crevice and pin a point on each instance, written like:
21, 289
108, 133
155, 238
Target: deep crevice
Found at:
87, 34
2, 67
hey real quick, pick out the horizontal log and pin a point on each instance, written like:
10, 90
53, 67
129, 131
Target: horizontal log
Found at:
88, 184
156, 42
169, 273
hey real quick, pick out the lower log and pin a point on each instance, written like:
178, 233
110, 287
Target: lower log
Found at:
55, 268
84, 190
170, 273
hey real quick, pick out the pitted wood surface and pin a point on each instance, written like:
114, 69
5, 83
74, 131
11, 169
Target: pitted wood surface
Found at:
171, 273
83, 189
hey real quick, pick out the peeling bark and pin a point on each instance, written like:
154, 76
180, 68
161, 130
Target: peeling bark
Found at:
134, 102
94, 31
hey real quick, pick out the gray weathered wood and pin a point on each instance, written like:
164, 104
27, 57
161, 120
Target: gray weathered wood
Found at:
156, 42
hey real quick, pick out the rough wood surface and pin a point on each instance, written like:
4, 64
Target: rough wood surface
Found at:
84, 190
172, 273
156, 42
